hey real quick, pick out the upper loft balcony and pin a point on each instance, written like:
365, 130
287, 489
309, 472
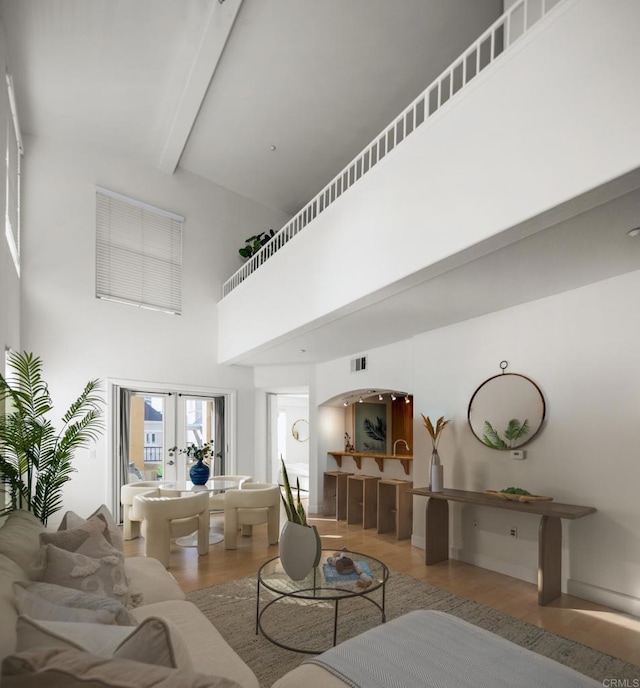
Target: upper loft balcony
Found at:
513, 176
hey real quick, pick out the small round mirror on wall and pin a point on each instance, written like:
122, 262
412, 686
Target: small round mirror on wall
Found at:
300, 430
506, 411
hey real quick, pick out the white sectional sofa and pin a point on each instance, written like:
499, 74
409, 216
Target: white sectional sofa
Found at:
211, 660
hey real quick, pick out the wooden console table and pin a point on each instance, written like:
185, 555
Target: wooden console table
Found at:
549, 534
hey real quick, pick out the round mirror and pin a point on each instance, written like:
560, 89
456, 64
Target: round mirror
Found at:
300, 430
506, 411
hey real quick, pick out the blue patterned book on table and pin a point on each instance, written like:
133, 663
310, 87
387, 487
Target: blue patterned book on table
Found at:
331, 574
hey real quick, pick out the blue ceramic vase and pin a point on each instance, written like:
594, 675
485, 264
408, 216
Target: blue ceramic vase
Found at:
199, 473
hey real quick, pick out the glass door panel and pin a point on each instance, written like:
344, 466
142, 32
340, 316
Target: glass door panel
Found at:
201, 420
150, 438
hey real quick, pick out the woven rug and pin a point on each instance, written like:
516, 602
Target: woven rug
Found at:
231, 607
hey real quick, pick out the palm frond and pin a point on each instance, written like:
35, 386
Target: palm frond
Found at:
491, 437
35, 461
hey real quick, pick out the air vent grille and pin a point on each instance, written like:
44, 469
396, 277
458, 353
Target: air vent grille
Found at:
358, 364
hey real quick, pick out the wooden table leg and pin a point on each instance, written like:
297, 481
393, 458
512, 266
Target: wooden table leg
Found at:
549, 559
437, 531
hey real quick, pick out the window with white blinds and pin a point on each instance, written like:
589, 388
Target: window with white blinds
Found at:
13, 155
138, 253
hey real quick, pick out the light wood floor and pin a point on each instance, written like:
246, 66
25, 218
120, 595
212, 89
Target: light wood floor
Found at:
599, 627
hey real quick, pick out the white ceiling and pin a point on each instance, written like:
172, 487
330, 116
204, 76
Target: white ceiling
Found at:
209, 86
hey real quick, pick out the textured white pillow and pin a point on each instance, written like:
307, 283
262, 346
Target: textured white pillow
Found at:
37, 607
95, 567
155, 641
31, 599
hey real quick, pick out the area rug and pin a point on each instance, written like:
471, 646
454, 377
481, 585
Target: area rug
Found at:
231, 607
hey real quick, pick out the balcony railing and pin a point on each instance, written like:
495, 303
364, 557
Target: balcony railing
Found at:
153, 454
496, 40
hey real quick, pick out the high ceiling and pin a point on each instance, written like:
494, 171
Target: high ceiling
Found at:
212, 85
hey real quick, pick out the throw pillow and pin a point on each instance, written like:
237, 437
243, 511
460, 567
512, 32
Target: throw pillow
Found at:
57, 668
20, 541
95, 567
155, 641
30, 596
72, 520
71, 538
38, 608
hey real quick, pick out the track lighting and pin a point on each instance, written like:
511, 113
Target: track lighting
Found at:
360, 400
406, 399
393, 396
379, 397
345, 402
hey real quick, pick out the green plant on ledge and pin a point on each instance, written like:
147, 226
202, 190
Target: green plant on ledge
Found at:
255, 243
35, 461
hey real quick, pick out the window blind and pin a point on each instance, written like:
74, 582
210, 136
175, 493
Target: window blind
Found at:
138, 253
13, 153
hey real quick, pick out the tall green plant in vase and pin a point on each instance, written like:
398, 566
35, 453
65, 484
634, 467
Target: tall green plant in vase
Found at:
35, 460
300, 544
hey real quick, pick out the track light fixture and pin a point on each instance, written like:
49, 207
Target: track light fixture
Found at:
379, 397
345, 402
406, 399
393, 396
360, 400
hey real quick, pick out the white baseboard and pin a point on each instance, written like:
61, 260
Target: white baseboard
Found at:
585, 591
609, 598
418, 542
505, 567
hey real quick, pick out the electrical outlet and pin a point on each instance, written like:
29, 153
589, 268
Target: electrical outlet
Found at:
513, 532
475, 525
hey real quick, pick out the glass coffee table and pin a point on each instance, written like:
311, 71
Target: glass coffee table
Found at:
322, 585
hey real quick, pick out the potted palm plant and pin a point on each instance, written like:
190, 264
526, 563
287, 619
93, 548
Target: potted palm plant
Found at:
35, 460
300, 545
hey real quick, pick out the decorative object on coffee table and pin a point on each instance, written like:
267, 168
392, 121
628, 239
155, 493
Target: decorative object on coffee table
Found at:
300, 545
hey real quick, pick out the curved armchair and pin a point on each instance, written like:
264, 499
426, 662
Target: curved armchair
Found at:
216, 501
131, 528
166, 518
254, 503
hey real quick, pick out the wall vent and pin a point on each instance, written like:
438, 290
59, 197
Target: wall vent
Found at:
358, 364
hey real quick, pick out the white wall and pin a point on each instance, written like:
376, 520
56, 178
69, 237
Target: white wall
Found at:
9, 281
580, 347
482, 165
79, 337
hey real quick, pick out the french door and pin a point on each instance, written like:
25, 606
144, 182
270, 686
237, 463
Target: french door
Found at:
148, 421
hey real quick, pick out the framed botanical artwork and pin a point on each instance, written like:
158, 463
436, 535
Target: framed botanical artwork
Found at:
371, 428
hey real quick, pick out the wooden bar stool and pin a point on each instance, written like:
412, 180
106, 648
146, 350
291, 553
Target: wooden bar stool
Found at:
362, 500
395, 507
335, 494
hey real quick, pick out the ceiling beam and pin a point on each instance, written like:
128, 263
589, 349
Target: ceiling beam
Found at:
221, 19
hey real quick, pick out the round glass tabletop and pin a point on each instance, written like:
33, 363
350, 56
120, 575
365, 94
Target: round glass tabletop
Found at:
324, 582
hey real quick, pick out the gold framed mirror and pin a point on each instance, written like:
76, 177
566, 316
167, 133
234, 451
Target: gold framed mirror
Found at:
300, 430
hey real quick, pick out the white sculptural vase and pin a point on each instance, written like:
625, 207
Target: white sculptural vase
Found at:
299, 549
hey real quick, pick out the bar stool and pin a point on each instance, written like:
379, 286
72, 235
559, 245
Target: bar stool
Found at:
395, 507
335, 494
362, 500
